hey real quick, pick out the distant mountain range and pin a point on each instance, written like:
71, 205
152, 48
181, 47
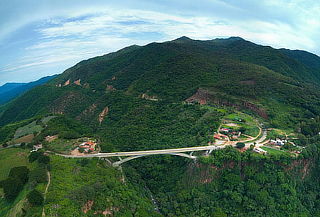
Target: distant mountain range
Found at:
9, 91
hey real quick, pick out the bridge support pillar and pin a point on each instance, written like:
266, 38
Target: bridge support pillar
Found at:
210, 151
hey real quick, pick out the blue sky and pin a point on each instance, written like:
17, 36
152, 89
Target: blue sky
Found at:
45, 37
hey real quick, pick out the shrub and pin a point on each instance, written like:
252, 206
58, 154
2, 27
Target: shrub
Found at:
38, 175
240, 145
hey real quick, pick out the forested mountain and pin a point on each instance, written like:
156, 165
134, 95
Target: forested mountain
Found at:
9, 91
9, 86
171, 95
230, 69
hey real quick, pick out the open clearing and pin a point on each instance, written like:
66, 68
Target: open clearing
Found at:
12, 157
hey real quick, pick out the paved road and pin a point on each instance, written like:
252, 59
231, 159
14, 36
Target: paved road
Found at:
149, 152
259, 141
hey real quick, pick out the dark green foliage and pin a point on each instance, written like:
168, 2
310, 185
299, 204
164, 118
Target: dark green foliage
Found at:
311, 127
230, 183
20, 173
44, 159
83, 162
240, 145
33, 156
73, 186
12, 186
38, 175
232, 72
279, 82
69, 135
157, 125
35, 198
65, 127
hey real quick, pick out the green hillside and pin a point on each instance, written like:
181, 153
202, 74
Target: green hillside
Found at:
173, 71
172, 95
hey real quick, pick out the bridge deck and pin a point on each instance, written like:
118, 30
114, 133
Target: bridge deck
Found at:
149, 152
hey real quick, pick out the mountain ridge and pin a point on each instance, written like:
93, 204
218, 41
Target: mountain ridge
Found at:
173, 71
9, 91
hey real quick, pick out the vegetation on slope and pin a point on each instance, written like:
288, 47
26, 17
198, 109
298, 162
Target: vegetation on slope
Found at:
230, 183
134, 99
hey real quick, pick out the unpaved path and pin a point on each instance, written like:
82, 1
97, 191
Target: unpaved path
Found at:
45, 192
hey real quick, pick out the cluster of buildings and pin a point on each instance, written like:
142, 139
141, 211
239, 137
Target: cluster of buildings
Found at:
87, 147
259, 151
36, 147
278, 142
233, 134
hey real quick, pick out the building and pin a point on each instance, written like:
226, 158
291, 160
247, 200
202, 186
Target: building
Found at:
278, 142
87, 146
260, 151
224, 130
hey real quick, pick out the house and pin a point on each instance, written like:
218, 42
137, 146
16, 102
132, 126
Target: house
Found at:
278, 142
216, 136
88, 146
260, 151
224, 130
36, 147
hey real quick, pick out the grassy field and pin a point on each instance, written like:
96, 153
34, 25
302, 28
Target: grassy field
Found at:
26, 139
45, 120
242, 120
272, 151
12, 157
27, 129
9, 158
62, 145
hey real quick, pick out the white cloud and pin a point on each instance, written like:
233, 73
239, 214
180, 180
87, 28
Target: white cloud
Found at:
68, 35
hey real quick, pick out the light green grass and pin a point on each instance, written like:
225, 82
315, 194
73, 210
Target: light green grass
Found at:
12, 157
9, 158
272, 151
62, 145
248, 122
45, 120
28, 129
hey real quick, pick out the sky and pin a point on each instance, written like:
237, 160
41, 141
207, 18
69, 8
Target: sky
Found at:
45, 37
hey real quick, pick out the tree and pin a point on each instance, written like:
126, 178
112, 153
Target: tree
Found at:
34, 156
240, 145
35, 198
20, 173
44, 159
219, 213
11, 188
70, 134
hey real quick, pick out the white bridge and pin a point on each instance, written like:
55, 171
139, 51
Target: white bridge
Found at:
182, 152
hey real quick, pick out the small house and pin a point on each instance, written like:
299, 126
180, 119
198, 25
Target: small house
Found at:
260, 151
